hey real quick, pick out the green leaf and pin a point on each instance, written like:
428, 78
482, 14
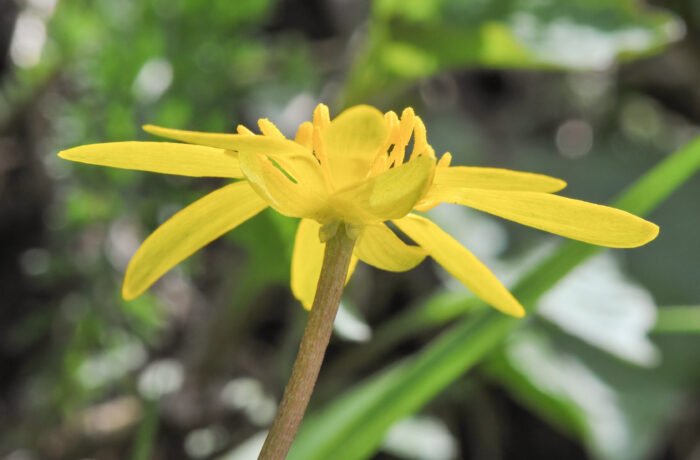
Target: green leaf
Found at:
678, 320
415, 39
353, 426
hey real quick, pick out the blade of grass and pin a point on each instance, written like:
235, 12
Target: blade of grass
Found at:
354, 425
678, 320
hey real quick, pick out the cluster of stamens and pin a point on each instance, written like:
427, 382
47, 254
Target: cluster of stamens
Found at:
391, 154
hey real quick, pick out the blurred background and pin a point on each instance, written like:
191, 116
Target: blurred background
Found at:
593, 91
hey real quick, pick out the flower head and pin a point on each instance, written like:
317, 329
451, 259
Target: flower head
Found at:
356, 171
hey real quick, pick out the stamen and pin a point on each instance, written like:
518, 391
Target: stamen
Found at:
381, 160
242, 130
444, 160
321, 117
320, 151
407, 123
392, 121
420, 138
305, 135
398, 152
269, 129
406, 126
380, 164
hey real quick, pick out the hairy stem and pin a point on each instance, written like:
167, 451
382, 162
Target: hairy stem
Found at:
319, 327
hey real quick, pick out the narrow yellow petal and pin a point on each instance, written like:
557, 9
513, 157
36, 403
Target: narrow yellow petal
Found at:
307, 260
575, 219
238, 142
281, 192
495, 179
460, 263
160, 157
389, 195
352, 141
380, 247
184, 233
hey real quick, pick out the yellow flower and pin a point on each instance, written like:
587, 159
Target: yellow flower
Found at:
355, 171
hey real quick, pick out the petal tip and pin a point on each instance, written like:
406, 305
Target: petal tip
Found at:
653, 233
304, 302
128, 293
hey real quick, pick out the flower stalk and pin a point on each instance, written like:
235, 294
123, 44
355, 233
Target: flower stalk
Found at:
317, 334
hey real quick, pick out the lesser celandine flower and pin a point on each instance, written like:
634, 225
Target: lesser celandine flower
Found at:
350, 176
353, 170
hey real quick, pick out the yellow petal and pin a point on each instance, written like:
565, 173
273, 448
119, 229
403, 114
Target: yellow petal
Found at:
265, 145
389, 195
460, 263
160, 157
184, 233
307, 260
280, 192
380, 247
352, 141
495, 179
579, 220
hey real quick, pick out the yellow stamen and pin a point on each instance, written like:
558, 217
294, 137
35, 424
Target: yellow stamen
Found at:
407, 123
269, 129
445, 160
305, 135
380, 164
322, 117
242, 130
320, 152
420, 138
392, 122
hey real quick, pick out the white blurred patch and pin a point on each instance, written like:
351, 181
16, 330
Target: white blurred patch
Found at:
106, 418
574, 138
28, 39
111, 364
43, 7
123, 239
154, 78
295, 113
566, 377
35, 261
596, 303
580, 46
350, 327
160, 378
421, 438
248, 450
248, 395
203, 442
